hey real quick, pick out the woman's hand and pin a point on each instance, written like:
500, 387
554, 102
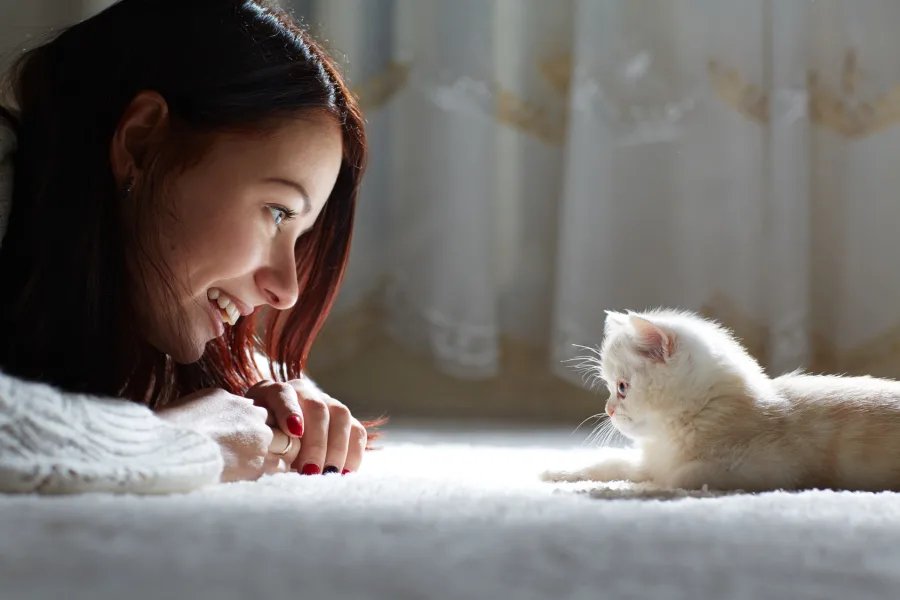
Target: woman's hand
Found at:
247, 443
331, 440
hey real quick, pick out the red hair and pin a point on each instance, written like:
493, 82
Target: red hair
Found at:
252, 67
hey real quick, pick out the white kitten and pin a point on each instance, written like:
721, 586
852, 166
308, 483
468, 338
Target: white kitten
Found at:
702, 412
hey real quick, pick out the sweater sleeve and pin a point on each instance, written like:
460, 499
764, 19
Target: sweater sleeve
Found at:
56, 442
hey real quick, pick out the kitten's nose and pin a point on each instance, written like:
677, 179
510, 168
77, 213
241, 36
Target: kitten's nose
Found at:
610, 409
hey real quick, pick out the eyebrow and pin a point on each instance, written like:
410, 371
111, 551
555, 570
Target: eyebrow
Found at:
296, 186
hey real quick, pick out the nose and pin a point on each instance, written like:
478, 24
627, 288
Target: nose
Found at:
277, 281
610, 409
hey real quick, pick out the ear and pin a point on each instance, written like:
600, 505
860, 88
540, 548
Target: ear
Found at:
614, 320
652, 341
141, 125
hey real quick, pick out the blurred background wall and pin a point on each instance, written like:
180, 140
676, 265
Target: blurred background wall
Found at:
535, 163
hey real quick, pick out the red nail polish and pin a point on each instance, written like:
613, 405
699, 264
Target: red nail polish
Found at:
295, 425
345, 471
311, 469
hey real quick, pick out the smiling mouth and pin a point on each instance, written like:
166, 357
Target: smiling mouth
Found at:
225, 307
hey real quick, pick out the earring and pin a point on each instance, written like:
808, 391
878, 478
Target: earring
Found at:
129, 186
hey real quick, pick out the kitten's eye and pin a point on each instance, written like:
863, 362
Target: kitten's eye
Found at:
622, 389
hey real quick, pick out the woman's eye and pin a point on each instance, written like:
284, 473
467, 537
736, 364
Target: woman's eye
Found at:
622, 389
279, 215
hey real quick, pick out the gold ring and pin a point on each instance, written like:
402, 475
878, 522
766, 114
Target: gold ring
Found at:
287, 448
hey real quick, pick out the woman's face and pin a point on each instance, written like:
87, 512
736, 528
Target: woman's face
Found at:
229, 237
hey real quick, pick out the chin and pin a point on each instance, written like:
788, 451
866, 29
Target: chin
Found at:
629, 428
187, 352
190, 356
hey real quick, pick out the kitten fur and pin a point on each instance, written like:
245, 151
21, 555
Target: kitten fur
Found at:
702, 411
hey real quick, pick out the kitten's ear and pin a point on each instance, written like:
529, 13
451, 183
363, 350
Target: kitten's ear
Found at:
652, 341
613, 320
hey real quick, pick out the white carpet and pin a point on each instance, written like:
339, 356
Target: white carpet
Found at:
440, 514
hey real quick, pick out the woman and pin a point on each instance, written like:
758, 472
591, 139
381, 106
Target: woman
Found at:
181, 169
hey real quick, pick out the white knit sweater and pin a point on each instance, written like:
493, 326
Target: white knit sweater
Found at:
57, 442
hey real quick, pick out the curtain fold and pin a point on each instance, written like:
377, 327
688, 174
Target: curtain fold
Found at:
537, 164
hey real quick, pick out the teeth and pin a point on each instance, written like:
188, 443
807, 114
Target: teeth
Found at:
228, 310
233, 313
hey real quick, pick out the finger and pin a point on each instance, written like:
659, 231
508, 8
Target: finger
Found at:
275, 464
356, 447
281, 443
339, 419
258, 462
315, 436
292, 454
281, 400
283, 451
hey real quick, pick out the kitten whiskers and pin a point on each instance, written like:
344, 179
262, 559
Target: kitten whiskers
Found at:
588, 365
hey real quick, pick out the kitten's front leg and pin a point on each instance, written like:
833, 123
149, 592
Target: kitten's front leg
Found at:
696, 474
611, 469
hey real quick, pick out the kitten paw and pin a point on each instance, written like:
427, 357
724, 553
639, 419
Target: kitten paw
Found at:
559, 476
612, 469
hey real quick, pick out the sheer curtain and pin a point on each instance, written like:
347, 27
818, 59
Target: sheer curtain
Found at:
536, 163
